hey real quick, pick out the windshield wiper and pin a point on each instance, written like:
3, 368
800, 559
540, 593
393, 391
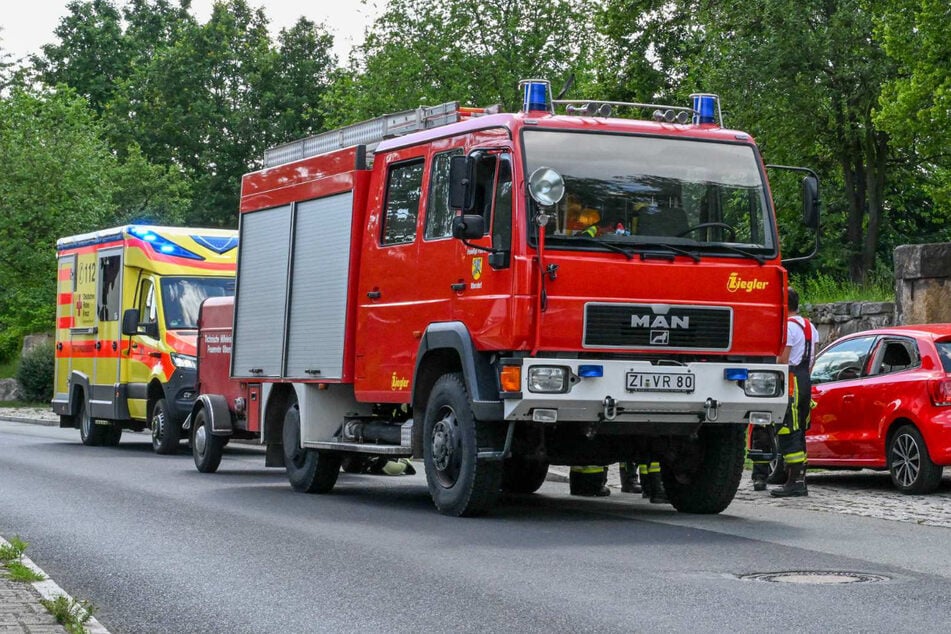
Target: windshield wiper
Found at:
759, 258
606, 245
646, 254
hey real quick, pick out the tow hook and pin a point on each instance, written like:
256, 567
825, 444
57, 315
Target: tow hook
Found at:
711, 408
610, 408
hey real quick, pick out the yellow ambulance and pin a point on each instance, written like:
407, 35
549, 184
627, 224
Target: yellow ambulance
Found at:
126, 327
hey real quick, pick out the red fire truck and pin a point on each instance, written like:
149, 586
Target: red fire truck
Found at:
494, 292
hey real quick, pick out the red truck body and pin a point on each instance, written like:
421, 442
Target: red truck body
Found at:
367, 321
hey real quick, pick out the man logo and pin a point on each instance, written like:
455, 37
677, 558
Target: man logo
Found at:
659, 321
660, 337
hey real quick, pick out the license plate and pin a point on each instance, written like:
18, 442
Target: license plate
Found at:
659, 382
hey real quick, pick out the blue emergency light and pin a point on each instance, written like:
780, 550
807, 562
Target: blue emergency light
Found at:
591, 371
163, 245
705, 107
535, 96
736, 374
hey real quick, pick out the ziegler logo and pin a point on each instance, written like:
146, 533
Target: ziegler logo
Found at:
735, 283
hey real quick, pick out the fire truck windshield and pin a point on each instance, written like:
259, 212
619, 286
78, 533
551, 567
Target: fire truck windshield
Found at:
182, 297
639, 190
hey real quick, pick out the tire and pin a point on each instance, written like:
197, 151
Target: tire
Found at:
308, 470
90, 433
459, 483
910, 464
523, 475
704, 478
207, 448
165, 431
112, 435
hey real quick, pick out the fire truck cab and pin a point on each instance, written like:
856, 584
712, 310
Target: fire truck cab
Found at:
127, 314
497, 292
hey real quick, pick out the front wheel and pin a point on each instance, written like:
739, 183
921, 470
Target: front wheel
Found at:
308, 470
459, 482
523, 475
705, 474
165, 433
207, 448
911, 467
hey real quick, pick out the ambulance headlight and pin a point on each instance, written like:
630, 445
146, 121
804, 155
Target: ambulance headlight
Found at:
763, 383
548, 379
184, 361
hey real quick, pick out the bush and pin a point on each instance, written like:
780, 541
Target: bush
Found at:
35, 374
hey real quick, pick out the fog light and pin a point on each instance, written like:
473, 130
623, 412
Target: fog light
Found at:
761, 418
547, 379
763, 383
545, 415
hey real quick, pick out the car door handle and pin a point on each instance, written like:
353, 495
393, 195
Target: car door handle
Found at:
374, 294
458, 286
848, 398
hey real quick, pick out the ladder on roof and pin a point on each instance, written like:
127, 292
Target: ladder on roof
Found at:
371, 132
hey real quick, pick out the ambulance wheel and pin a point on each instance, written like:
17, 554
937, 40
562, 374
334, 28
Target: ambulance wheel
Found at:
459, 482
704, 476
164, 430
112, 435
207, 448
523, 475
89, 432
308, 470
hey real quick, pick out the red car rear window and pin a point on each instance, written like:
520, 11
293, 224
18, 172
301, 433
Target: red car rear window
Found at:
944, 351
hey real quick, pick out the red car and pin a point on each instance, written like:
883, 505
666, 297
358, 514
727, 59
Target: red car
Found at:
883, 401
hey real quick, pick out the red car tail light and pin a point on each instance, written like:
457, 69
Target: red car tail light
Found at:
940, 391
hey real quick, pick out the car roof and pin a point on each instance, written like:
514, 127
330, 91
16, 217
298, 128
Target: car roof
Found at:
928, 331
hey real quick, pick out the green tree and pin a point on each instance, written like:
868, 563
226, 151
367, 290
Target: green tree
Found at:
429, 52
55, 182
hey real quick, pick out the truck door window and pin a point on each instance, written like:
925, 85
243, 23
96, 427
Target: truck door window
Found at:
438, 213
485, 186
109, 290
402, 203
502, 216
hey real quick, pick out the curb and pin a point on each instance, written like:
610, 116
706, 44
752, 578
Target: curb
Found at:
49, 590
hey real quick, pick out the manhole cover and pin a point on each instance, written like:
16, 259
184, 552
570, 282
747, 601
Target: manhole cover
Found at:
818, 577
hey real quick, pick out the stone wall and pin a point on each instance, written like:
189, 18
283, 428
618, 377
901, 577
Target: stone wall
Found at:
843, 318
923, 283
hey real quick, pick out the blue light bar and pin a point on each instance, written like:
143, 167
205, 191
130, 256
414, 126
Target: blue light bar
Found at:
163, 245
535, 96
591, 371
705, 108
736, 374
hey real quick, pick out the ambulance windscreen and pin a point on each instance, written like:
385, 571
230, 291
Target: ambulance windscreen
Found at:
182, 297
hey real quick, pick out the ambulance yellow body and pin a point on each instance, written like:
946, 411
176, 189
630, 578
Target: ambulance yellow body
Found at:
126, 319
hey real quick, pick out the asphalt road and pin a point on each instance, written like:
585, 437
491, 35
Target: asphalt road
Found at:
159, 547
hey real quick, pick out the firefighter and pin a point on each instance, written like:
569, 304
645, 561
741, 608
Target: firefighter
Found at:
801, 337
588, 481
629, 483
652, 486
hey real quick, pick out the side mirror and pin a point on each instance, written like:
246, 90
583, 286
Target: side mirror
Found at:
468, 226
130, 322
461, 183
810, 202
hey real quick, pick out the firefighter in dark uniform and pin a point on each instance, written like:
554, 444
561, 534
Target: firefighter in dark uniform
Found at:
800, 352
588, 481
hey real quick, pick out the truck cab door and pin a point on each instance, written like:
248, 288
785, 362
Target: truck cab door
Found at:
141, 351
108, 318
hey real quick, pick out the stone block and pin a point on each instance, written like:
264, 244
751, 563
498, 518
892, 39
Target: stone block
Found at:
10, 390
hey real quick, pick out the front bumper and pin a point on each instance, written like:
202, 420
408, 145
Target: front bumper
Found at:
713, 398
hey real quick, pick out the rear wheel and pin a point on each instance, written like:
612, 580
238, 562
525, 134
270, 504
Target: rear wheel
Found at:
90, 433
459, 482
308, 470
523, 475
704, 476
207, 448
165, 432
112, 435
910, 465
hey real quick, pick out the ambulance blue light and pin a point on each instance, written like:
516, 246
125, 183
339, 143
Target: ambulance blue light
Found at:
736, 374
535, 96
705, 108
163, 245
591, 371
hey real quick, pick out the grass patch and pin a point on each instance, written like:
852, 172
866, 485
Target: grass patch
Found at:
71, 614
19, 571
821, 288
13, 552
8, 369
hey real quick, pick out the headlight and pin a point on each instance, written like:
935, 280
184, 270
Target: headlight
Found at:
184, 361
547, 379
763, 383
